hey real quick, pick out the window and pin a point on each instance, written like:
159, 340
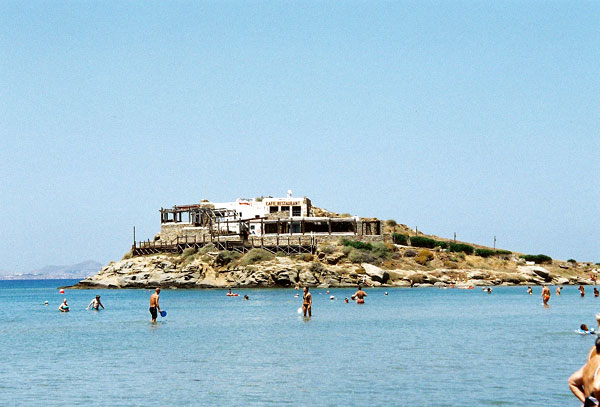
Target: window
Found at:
273, 209
296, 210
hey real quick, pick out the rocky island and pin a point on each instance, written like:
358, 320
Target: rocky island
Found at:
283, 242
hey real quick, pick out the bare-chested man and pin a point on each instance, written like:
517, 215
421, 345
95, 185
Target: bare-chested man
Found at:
307, 302
585, 382
545, 295
359, 296
154, 305
95, 304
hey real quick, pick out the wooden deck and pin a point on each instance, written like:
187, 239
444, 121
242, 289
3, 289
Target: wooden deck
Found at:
285, 244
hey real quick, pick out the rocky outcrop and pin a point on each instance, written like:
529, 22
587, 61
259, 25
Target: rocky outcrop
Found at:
215, 270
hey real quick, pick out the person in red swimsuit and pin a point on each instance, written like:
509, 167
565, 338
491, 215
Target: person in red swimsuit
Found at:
359, 296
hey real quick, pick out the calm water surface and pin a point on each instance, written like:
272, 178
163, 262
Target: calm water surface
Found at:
413, 347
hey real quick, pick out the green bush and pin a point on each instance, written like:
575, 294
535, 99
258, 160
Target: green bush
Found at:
484, 252
380, 250
280, 254
503, 252
360, 256
572, 261
439, 243
326, 249
357, 244
347, 250
127, 255
461, 247
399, 238
422, 241
190, 251
256, 256
391, 223
537, 258
207, 248
226, 256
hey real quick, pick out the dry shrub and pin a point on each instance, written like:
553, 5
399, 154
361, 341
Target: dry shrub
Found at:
424, 257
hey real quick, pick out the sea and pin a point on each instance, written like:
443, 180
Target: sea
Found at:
411, 347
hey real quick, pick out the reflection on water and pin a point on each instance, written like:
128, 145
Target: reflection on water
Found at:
411, 347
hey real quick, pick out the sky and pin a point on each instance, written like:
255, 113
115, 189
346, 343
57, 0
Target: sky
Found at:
471, 117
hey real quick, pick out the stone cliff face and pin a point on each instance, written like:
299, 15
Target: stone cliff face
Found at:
332, 270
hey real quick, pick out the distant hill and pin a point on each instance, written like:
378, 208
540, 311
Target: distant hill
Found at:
75, 271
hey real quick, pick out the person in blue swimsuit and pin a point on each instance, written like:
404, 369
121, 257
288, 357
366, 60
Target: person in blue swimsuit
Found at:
64, 307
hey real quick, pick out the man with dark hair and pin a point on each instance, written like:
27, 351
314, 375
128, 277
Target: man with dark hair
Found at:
359, 296
585, 382
154, 305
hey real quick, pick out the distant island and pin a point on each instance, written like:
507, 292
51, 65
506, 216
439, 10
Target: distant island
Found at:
282, 242
74, 271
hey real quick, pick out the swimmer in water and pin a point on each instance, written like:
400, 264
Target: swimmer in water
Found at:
346, 300
558, 290
95, 304
582, 290
489, 290
529, 290
246, 298
359, 296
585, 382
545, 295
64, 307
596, 292
386, 293
307, 302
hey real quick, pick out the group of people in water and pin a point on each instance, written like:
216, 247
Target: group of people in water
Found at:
95, 304
546, 292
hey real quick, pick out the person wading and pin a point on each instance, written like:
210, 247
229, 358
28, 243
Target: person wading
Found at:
154, 304
307, 302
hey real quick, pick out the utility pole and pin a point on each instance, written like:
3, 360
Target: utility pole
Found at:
454, 237
494, 243
134, 235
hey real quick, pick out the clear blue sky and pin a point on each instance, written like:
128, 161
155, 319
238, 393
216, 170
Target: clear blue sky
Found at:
480, 118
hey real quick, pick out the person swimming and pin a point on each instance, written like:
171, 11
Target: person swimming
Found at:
64, 307
529, 290
246, 298
558, 290
596, 292
582, 290
346, 300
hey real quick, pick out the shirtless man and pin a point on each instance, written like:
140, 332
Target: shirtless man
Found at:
596, 292
95, 304
545, 295
154, 305
558, 290
582, 290
585, 382
529, 290
307, 302
359, 296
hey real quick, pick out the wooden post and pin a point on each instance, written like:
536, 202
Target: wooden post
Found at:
262, 227
329, 224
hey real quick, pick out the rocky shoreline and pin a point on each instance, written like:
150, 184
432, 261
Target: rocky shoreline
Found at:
209, 270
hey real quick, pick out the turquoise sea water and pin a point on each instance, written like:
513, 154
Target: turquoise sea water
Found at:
414, 347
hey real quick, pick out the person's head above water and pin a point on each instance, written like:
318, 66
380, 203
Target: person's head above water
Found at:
97, 297
359, 288
305, 288
584, 327
157, 290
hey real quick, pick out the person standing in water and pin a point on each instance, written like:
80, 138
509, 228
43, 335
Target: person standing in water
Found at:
154, 306
64, 307
307, 302
529, 290
596, 292
359, 296
545, 295
585, 382
95, 304
582, 290
558, 290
